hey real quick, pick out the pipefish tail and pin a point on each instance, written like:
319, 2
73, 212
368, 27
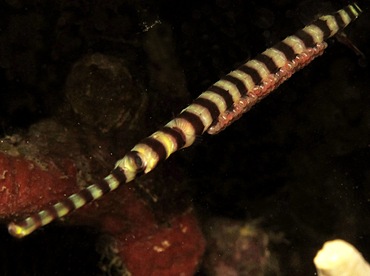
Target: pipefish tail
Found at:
216, 108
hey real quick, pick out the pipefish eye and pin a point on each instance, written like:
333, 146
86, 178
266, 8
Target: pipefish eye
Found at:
136, 161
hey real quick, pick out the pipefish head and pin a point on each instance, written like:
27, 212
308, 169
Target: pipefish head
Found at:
131, 164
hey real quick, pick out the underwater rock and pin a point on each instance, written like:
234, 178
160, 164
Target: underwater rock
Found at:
144, 244
236, 248
173, 249
27, 185
101, 91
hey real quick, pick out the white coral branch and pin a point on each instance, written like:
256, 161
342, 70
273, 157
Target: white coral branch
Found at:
339, 258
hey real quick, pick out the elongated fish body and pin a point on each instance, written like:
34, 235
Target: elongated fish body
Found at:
217, 107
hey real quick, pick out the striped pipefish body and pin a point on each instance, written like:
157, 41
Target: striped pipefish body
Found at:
213, 110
